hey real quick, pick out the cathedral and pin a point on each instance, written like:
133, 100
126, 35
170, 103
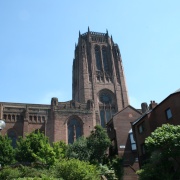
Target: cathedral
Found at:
98, 92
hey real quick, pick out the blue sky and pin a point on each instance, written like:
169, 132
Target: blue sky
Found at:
37, 40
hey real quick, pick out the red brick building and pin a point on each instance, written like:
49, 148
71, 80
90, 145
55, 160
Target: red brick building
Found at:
168, 111
123, 144
99, 91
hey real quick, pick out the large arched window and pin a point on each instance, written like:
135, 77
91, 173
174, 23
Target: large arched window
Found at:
75, 129
12, 135
105, 59
98, 58
107, 106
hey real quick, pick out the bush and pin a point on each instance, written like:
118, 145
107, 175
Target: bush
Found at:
8, 173
25, 172
75, 169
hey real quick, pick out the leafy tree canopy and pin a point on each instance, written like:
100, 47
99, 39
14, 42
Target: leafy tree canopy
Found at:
98, 143
6, 151
35, 148
163, 147
79, 150
60, 149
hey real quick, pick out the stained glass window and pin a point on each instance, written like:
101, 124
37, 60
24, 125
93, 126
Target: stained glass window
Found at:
106, 106
103, 123
74, 130
12, 135
105, 98
108, 115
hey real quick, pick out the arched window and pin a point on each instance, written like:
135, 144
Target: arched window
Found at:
9, 117
13, 117
105, 98
98, 58
5, 116
74, 130
107, 106
105, 59
12, 135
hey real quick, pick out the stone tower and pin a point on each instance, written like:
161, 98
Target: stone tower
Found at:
98, 74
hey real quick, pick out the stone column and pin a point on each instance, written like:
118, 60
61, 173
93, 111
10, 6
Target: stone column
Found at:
1, 111
25, 123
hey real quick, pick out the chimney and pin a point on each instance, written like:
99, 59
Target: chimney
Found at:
144, 107
152, 105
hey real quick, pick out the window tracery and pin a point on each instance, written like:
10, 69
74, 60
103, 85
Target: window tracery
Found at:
74, 130
107, 106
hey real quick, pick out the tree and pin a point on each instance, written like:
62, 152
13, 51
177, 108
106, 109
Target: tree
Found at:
60, 149
163, 147
6, 151
79, 150
35, 148
98, 143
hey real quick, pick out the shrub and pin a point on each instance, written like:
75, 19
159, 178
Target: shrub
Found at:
75, 169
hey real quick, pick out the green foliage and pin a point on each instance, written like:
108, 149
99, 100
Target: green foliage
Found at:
79, 150
163, 137
25, 172
50, 162
60, 149
74, 169
163, 147
97, 143
6, 151
117, 165
156, 171
9, 173
35, 148
107, 172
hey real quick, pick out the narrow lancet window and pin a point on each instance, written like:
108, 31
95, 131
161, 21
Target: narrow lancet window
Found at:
105, 59
98, 59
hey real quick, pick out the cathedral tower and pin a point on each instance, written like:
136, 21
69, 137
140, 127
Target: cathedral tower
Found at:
98, 74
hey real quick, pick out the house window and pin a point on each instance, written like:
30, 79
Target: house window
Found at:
141, 128
168, 113
133, 143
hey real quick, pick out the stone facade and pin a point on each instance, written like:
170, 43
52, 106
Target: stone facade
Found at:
99, 91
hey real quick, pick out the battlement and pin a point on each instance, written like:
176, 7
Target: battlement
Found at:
94, 33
